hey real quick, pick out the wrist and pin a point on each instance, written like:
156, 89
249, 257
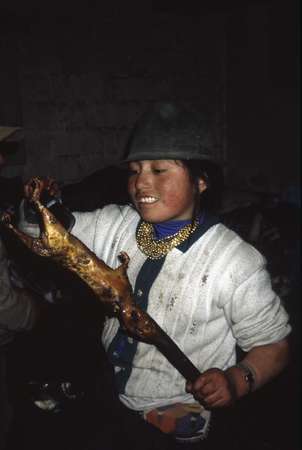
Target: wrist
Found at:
248, 374
242, 377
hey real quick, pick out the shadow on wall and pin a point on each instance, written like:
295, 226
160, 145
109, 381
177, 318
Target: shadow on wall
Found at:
103, 187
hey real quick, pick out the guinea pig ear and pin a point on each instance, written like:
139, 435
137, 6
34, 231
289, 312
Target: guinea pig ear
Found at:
202, 185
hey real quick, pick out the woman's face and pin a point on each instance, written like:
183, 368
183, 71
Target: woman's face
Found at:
162, 190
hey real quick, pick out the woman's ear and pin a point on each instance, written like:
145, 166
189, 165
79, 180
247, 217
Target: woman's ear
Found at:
202, 185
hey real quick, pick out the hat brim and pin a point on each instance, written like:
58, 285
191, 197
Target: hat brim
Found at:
151, 156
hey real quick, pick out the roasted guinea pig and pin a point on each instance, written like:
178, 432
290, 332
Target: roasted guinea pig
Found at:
111, 286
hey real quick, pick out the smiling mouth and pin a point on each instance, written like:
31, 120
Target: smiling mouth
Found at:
148, 200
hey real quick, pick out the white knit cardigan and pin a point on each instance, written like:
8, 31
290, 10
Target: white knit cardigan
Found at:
216, 294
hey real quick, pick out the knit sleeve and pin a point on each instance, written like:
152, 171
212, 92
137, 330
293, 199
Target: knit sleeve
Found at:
253, 310
93, 228
85, 226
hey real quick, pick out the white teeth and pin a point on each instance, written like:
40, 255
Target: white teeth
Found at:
147, 200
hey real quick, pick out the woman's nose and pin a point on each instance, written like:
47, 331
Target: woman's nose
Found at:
143, 180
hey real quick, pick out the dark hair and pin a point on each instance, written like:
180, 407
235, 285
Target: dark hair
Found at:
213, 176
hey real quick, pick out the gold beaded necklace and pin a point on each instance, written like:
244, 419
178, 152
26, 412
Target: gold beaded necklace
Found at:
156, 249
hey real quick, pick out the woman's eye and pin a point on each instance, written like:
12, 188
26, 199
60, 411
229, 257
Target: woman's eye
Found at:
159, 170
131, 172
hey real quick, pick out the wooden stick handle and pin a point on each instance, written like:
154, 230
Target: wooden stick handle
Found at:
176, 357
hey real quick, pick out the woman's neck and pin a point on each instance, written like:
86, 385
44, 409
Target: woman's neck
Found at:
170, 227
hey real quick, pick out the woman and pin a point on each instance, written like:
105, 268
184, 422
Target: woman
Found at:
206, 287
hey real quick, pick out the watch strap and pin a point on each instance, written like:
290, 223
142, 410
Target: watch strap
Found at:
249, 375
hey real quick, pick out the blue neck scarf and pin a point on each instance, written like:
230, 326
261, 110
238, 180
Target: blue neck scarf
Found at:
164, 229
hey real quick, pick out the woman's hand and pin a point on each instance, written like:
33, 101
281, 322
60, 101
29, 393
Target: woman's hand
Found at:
216, 388
213, 389
38, 186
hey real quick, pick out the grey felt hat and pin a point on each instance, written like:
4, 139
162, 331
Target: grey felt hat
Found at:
169, 131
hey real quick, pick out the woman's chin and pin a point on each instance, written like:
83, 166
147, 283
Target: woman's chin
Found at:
148, 216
